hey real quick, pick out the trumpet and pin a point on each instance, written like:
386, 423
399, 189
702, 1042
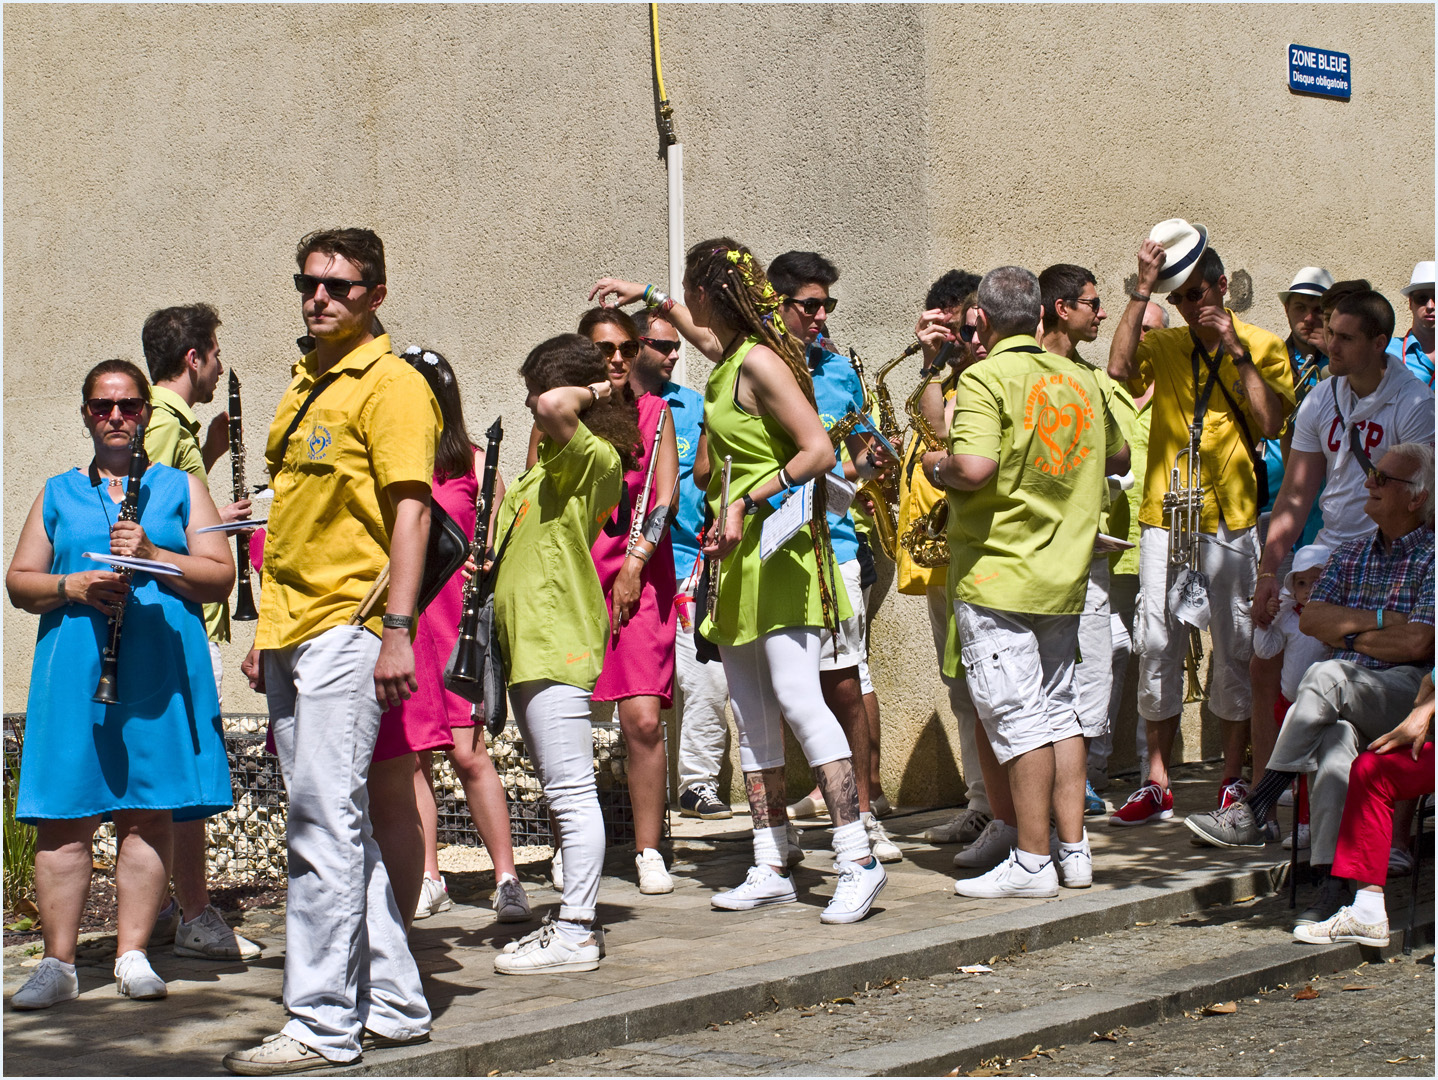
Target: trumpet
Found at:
1183, 513
1306, 370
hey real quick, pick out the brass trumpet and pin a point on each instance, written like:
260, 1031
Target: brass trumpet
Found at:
1183, 513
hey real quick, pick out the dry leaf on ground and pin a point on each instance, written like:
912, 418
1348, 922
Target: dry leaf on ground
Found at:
1223, 1008
1308, 993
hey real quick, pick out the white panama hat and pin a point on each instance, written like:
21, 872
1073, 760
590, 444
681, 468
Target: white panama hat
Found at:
1310, 281
1182, 245
1422, 279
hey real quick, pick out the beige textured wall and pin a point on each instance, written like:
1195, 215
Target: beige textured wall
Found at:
159, 155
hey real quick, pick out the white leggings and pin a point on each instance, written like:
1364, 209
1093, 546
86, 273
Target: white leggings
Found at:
774, 679
553, 718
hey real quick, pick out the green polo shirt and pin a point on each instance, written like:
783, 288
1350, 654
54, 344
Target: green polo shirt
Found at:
173, 438
1023, 541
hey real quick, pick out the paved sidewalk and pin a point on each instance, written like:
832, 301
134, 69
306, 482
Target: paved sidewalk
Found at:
673, 963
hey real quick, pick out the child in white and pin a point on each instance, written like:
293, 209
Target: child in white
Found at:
1282, 635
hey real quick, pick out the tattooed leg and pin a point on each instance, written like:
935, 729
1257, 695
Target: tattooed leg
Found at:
765, 789
841, 793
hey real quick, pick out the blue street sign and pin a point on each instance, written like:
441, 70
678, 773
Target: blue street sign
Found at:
1319, 71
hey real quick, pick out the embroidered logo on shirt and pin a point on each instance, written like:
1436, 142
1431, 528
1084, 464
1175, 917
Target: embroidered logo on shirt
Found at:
1060, 427
318, 443
683, 445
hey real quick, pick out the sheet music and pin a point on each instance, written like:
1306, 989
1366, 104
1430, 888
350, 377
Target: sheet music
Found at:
783, 523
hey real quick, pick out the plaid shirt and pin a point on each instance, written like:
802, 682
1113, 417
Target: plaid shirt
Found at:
1367, 575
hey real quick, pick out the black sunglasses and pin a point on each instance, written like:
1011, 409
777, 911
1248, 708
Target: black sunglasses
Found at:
130, 408
339, 288
1421, 298
661, 345
1193, 295
1091, 301
812, 305
968, 333
628, 349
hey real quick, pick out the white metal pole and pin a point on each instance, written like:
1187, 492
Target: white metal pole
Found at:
675, 158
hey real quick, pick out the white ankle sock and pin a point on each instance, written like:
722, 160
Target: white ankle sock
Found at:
1369, 907
1031, 862
851, 843
769, 846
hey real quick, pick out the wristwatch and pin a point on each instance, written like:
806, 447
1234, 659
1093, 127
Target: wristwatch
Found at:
1349, 639
750, 506
397, 622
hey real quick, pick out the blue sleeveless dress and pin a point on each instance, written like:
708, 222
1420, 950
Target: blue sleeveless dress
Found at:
161, 746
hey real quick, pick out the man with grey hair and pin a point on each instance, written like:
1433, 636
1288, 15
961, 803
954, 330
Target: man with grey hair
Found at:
1374, 607
1028, 450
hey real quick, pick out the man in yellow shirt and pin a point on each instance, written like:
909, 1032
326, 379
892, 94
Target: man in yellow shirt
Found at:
351, 458
1234, 380
183, 355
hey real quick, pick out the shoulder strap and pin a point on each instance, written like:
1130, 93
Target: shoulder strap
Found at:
489, 578
320, 384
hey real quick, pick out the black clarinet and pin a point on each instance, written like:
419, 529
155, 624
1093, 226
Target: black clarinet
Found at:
245, 597
107, 690
468, 662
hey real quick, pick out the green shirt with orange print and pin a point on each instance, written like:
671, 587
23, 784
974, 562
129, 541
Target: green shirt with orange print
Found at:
1023, 541
548, 603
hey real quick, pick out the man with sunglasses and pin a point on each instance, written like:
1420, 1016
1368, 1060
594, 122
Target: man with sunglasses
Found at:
351, 459
183, 355
1373, 607
1232, 380
803, 279
1415, 348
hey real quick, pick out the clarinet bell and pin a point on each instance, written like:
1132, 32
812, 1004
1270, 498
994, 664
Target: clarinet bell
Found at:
107, 690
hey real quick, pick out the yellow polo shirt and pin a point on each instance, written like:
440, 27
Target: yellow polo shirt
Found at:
916, 498
375, 424
1165, 358
173, 438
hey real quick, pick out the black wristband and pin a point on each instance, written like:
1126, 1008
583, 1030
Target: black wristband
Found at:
750, 506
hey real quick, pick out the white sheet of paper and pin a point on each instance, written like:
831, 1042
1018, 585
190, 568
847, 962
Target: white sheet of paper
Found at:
232, 526
263, 493
841, 494
783, 523
149, 566
1104, 544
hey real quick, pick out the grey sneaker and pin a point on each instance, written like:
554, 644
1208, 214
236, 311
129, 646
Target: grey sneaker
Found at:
702, 801
1333, 895
964, 829
793, 852
1233, 826
880, 806
991, 848
135, 978
49, 984
209, 937
276, 1055
167, 923
1342, 926
511, 904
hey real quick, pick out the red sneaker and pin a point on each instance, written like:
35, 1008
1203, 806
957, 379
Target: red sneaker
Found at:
1148, 803
1232, 790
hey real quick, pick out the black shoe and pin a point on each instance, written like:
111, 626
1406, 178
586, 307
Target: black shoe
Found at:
1332, 895
702, 801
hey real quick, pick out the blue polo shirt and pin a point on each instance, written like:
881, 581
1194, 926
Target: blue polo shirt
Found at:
686, 406
837, 392
1408, 350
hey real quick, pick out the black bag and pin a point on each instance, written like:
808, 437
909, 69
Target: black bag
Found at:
444, 554
489, 691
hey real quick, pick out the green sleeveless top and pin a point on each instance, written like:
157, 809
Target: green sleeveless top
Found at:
757, 598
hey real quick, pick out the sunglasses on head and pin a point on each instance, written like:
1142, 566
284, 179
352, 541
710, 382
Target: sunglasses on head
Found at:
130, 408
812, 305
661, 345
627, 349
339, 288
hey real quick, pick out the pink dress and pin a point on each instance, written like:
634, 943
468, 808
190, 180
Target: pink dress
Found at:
639, 659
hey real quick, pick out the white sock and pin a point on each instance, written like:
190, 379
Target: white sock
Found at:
1031, 862
1368, 906
1082, 845
69, 968
851, 843
769, 846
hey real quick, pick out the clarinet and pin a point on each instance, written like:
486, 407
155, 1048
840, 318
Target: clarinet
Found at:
468, 664
245, 598
107, 690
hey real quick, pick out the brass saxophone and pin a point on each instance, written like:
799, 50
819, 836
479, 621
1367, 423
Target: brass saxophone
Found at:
884, 496
927, 537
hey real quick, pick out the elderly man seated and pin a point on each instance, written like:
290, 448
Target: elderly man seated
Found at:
1374, 607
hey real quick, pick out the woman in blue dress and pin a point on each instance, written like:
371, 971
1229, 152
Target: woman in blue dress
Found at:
158, 754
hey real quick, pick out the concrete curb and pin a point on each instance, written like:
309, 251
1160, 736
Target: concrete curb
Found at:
530, 1040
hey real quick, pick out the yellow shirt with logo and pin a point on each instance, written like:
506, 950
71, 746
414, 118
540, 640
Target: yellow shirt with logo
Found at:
173, 438
1165, 358
1023, 541
374, 424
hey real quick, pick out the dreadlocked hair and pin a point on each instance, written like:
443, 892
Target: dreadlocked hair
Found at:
573, 360
736, 287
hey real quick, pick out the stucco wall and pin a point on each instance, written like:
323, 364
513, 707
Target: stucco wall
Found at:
159, 155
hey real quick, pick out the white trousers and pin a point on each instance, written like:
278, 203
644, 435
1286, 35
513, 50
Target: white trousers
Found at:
773, 680
1093, 676
554, 718
703, 697
941, 615
347, 963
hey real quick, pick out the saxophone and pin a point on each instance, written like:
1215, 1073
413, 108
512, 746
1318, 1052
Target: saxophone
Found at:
927, 537
884, 496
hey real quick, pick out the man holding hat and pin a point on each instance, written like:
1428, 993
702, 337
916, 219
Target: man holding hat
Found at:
1229, 384
1303, 305
1415, 348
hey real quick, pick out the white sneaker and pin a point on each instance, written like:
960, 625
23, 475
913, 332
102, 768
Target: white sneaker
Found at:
964, 829
556, 869
763, 886
1011, 879
511, 904
884, 849
793, 853
1075, 867
433, 897
1286, 799
654, 879
548, 951
1305, 837
881, 806
135, 978
49, 984
855, 893
209, 937
991, 848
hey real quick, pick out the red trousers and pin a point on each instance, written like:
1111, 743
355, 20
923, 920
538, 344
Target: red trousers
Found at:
1375, 783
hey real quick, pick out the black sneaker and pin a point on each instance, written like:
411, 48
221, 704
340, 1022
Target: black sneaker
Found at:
702, 801
1332, 895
